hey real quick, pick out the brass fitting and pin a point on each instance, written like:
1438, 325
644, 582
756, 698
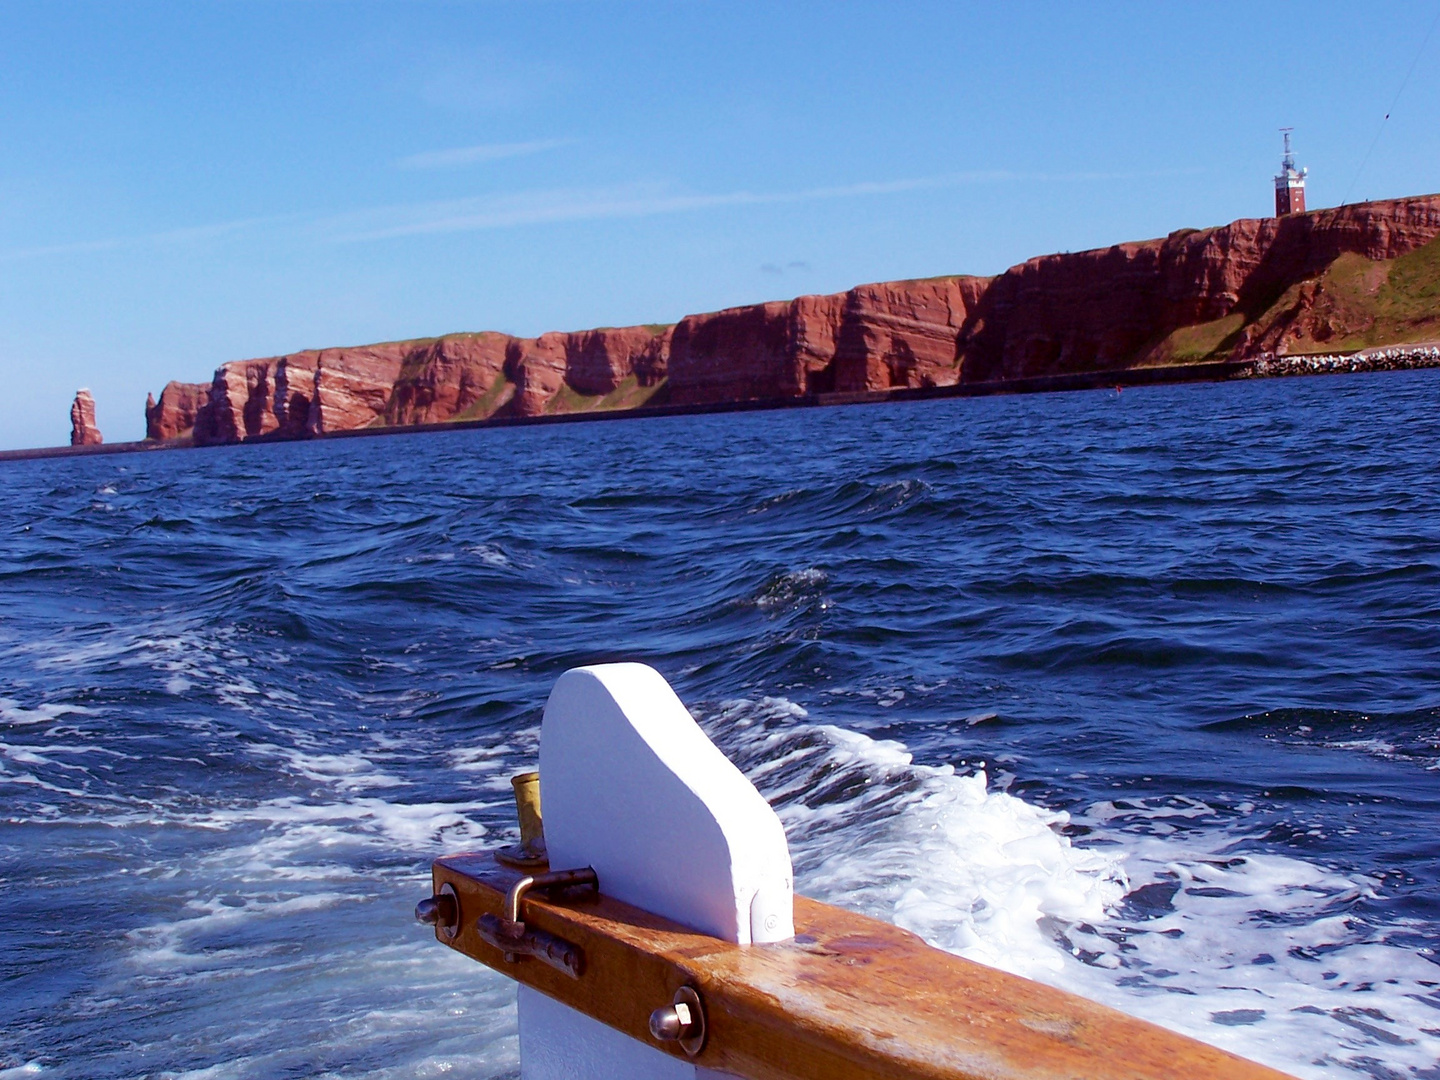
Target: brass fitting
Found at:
530, 853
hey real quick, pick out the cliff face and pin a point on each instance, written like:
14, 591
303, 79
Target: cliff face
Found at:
874, 337
476, 376
903, 334
285, 397
450, 378
350, 388
241, 403
1118, 307
1354, 274
760, 351
173, 416
600, 361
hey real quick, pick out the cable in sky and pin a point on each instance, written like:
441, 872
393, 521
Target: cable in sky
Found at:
1394, 101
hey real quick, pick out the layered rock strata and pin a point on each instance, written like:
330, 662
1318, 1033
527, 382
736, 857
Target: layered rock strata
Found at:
476, 376
173, 416
1228, 293
281, 397
874, 337
448, 378
350, 388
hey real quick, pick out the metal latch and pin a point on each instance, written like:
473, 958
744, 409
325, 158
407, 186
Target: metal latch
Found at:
509, 934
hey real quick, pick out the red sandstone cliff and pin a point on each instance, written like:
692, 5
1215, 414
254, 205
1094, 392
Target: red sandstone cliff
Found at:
874, 337
350, 387
173, 416
286, 397
449, 378
1116, 307
476, 376
1193, 296
600, 361
83, 431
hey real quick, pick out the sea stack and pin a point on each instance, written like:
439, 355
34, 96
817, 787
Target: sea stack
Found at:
83, 431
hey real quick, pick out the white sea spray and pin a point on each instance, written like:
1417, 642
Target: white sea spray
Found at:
1199, 931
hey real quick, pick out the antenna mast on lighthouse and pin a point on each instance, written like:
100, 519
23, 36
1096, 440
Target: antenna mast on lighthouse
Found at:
1290, 183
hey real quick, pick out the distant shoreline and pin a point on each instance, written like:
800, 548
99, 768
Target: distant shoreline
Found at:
1386, 358
1195, 305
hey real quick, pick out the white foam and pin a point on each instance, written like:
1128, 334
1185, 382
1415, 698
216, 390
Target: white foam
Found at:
1256, 952
488, 757
23, 755
1262, 954
323, 978
184, 658
792, 588
973, 869
490, 555
999, 864
293, 824
162, 945
347, 772
12, 713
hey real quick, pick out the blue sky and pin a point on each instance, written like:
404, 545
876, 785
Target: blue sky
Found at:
185, 184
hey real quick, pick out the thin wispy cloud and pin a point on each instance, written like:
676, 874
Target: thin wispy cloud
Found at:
518, 209
526, 208
577, 204
474, 155
167, 237
629, 201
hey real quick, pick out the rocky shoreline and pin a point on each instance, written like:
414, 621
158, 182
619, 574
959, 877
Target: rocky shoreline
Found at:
1393, 358
1400, 358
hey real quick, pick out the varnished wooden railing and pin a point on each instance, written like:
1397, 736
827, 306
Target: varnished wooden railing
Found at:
851, 998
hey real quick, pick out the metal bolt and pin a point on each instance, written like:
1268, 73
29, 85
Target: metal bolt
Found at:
670, 1023
428, 911
682, 1021
441, 911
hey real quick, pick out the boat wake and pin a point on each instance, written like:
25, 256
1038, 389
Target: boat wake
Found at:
1169, 909
1136, 698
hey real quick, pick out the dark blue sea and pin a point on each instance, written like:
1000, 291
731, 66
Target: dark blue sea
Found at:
1134, 693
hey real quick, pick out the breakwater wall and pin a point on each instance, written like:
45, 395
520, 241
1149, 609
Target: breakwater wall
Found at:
1389, 358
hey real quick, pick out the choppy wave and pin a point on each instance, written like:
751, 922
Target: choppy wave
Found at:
1130, 694
1411, 737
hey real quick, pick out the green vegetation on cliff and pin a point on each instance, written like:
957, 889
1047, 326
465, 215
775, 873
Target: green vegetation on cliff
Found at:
628, 395
1197, 343
1358, 304
1355, 303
